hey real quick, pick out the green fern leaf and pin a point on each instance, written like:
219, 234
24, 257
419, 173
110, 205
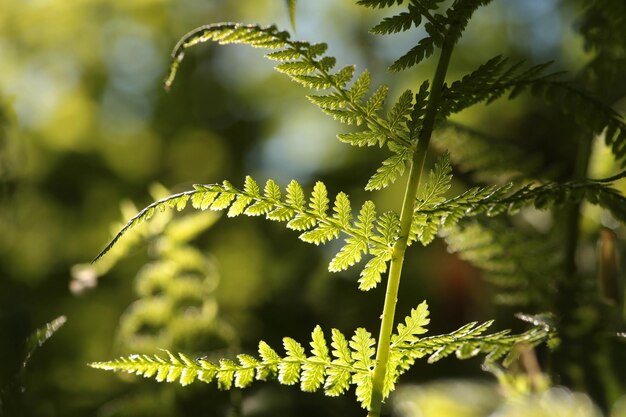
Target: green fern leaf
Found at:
343, 210
244, 376
360, 87
41, 336
376, 101
270, 360
391, 169
342, 77
515, 262
226, 374
401, 110
222, 202
224, 33
339, 378
328, 101
413, 326
283, 55
487, 158
350, 253
313, 81
424, 49
319, 199
459, 14
239, 206
388, 225
398, 23
295, 195
321, 234
348, 117
364, 138
371, 275
314, 370
362, 345
439, 181
365, 220
289, 371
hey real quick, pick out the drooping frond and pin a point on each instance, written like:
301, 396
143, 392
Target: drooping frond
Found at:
330, 369
348, 101
493, 200
368, 234
523, 266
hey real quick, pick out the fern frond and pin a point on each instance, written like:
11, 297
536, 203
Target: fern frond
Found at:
306, 64
333, 371
469, 341
224, 33
312, 219
494, 200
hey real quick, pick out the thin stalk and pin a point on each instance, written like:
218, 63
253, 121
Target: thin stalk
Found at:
406, 216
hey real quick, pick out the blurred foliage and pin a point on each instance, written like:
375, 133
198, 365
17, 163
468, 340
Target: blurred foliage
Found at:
85, 123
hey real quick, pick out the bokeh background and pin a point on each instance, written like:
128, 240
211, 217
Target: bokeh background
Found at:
86, 126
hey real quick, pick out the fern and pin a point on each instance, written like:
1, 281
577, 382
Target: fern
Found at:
313, 221
494, 200
405, 128
469, 341
331, 369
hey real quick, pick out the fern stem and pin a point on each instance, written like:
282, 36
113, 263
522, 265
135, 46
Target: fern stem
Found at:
399, 249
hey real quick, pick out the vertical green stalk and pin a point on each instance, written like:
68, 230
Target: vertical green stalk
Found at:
406, 216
